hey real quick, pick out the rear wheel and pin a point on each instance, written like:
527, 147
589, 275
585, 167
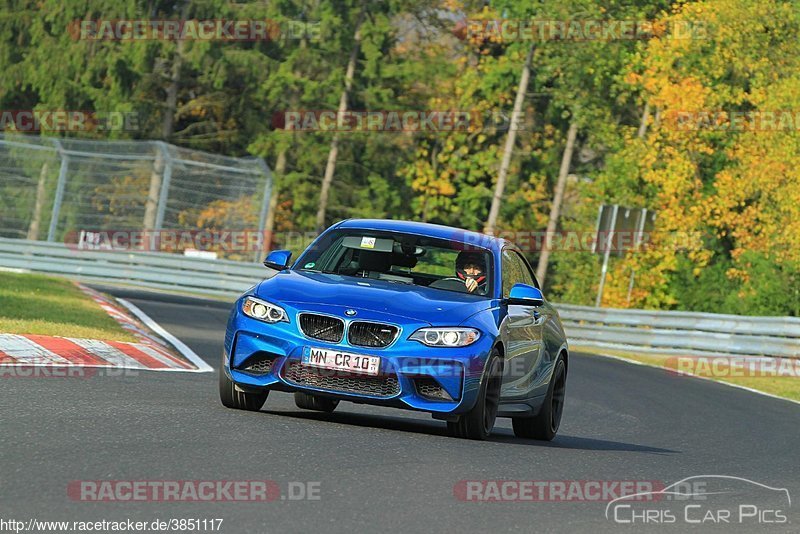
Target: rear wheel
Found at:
544, 426
478, 422
238, 400
312, 402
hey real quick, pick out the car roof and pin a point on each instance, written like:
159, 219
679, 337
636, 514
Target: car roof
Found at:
436, 231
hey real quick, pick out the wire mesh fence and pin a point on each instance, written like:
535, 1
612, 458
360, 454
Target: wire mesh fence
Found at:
134, 194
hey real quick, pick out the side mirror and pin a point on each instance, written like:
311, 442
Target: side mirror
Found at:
525, 295
278, 259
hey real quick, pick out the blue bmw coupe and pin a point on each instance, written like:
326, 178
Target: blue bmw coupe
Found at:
404, 314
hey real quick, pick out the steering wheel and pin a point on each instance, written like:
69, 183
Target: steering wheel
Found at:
451, 283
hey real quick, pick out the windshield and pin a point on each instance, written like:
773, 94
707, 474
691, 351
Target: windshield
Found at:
403, 259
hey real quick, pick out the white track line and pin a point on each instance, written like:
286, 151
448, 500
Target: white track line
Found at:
189, 354
635, 362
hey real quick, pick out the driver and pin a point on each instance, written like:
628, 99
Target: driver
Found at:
471, 268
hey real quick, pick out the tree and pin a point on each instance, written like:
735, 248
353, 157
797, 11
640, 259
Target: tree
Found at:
511, 137
330, 167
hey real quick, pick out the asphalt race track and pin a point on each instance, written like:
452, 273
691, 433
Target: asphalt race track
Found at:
377, 469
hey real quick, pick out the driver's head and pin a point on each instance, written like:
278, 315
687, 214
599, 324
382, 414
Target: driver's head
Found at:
471, 264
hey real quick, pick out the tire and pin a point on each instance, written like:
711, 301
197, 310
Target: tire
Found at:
312, 402
544, 426
238, 400
479, 421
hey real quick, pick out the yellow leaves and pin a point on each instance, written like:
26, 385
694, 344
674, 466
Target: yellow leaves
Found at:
453, 5
676, 95
738, 274
644, 276
633, 78
221, 214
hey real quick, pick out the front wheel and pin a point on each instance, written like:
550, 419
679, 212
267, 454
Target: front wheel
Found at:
544, 426
238, 400
478, 422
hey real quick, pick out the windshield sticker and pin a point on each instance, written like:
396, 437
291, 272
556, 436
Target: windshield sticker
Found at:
309, 265
367, 242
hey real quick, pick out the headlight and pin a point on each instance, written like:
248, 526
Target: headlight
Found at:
263, 310
446, 337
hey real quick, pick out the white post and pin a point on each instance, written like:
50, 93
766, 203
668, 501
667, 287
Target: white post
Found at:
606, 254
62, 180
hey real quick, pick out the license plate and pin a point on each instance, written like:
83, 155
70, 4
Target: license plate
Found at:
341, 361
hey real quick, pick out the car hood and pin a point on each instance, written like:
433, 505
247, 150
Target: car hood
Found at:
417, 303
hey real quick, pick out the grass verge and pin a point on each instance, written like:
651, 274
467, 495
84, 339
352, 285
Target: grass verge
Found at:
51, 306
787, 387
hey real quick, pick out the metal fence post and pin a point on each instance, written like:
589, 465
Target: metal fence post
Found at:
606, 254
164, 194
262, 217
62, 179
637, 241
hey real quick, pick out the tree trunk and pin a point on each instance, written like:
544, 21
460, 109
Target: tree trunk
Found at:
645, 117
558, 196
277, 176
151, 205
511, 138
36, 218
330, 168
167, 129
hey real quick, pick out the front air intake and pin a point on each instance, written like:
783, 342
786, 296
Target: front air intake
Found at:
377, 335
431, 389
322, 327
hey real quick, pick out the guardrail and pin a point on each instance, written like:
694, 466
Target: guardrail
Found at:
673, 332
156, 270
626, 330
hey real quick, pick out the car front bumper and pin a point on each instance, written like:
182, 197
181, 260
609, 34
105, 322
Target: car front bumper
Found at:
439, 380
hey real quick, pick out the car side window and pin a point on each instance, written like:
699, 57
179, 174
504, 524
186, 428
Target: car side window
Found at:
527, 272
516, 271
511, 271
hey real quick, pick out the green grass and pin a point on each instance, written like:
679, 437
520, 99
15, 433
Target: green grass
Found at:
46, 305
782, 386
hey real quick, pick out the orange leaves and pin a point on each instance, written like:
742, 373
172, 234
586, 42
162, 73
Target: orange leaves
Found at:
738, 182
222, 215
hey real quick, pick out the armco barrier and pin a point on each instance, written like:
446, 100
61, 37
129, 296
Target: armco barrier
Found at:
221, 278
626, 330
673, 332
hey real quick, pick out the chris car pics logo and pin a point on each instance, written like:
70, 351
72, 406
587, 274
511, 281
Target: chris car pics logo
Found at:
705, 500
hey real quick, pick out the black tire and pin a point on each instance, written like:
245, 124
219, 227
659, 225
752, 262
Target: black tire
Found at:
238, 400
312, 402
478, 422
544, 426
